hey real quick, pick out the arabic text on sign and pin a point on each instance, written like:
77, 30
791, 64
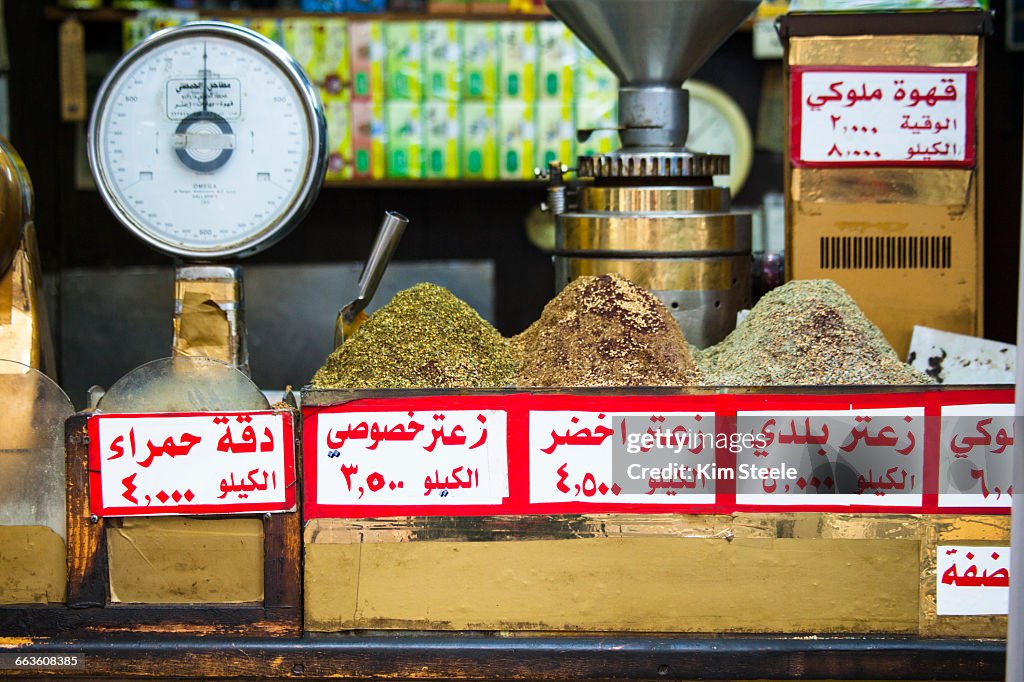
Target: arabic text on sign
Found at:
881, 117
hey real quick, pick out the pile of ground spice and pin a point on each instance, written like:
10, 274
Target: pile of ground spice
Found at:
604, 331
424, 337
806, 332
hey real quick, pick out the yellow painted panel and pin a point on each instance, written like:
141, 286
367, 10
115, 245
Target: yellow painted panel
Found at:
186, 561
642, 584
33, 565
918, 50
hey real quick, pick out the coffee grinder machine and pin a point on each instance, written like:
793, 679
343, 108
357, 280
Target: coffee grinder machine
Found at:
650, 211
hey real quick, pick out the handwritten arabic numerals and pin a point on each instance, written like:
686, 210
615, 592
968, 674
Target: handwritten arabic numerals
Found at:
562, 476
375, 481
347, 471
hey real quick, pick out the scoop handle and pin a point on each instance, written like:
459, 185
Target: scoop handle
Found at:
388, 236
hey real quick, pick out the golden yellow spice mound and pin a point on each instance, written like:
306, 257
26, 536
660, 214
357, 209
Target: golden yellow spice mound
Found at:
424, 337
604, 331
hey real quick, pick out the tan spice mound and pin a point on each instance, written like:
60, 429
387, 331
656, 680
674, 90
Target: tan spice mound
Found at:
425, 337
604, 331
806, 332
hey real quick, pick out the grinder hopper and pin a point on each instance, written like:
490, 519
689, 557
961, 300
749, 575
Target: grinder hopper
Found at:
649, 211
653, 46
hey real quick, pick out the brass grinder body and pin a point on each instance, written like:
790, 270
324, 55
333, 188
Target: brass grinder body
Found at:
649, 211
681, 242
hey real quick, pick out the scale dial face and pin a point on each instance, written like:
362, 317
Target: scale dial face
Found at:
207, 141
718, 126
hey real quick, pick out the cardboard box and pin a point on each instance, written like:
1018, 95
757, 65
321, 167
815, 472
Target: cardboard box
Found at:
593, 79
332, 55
556, 134
366, 59
517, 60
338, 112
479, 140
480, 61
516, 141
271, 28
369, 139
298, 34
405, 139
441, 140
404, 65
557, 62
906, 241
598, 110
924, 245
442, 44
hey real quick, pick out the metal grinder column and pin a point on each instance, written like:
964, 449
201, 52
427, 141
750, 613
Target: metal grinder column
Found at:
650, 211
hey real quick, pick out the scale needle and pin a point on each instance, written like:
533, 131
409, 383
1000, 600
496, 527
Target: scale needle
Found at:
204, 75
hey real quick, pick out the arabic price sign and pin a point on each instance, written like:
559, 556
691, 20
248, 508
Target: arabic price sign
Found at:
865, 457
976, 456
972, 581
410, 458
198, 463
921, 452
622, 458
883, 117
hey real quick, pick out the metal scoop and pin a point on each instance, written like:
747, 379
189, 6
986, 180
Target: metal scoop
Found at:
351, 317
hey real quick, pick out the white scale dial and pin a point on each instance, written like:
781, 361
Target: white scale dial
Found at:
207, 141
718, 126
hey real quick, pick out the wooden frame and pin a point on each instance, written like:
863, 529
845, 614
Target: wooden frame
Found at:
408, 656
88, 609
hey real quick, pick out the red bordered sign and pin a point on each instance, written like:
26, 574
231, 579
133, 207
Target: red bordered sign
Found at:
919, 452
882, 116
191, 463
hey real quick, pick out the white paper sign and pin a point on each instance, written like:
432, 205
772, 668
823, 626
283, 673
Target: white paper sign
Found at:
835, 457
450, 457
976, 445
191, 464
972, 581
596, 458
850, 117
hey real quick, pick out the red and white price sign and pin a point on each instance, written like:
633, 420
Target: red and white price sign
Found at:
972, 581
840, 458
976, 446
626, 458
883, 116
411, 458
198, 463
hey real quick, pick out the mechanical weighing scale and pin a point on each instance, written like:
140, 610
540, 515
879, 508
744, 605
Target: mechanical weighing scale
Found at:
208, 142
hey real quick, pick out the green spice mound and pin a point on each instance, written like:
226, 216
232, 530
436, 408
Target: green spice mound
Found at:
604, 331
806, 332
424, 337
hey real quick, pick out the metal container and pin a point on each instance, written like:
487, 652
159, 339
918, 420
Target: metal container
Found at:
649, 211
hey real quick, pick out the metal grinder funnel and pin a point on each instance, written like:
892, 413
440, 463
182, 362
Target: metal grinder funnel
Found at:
653, 46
